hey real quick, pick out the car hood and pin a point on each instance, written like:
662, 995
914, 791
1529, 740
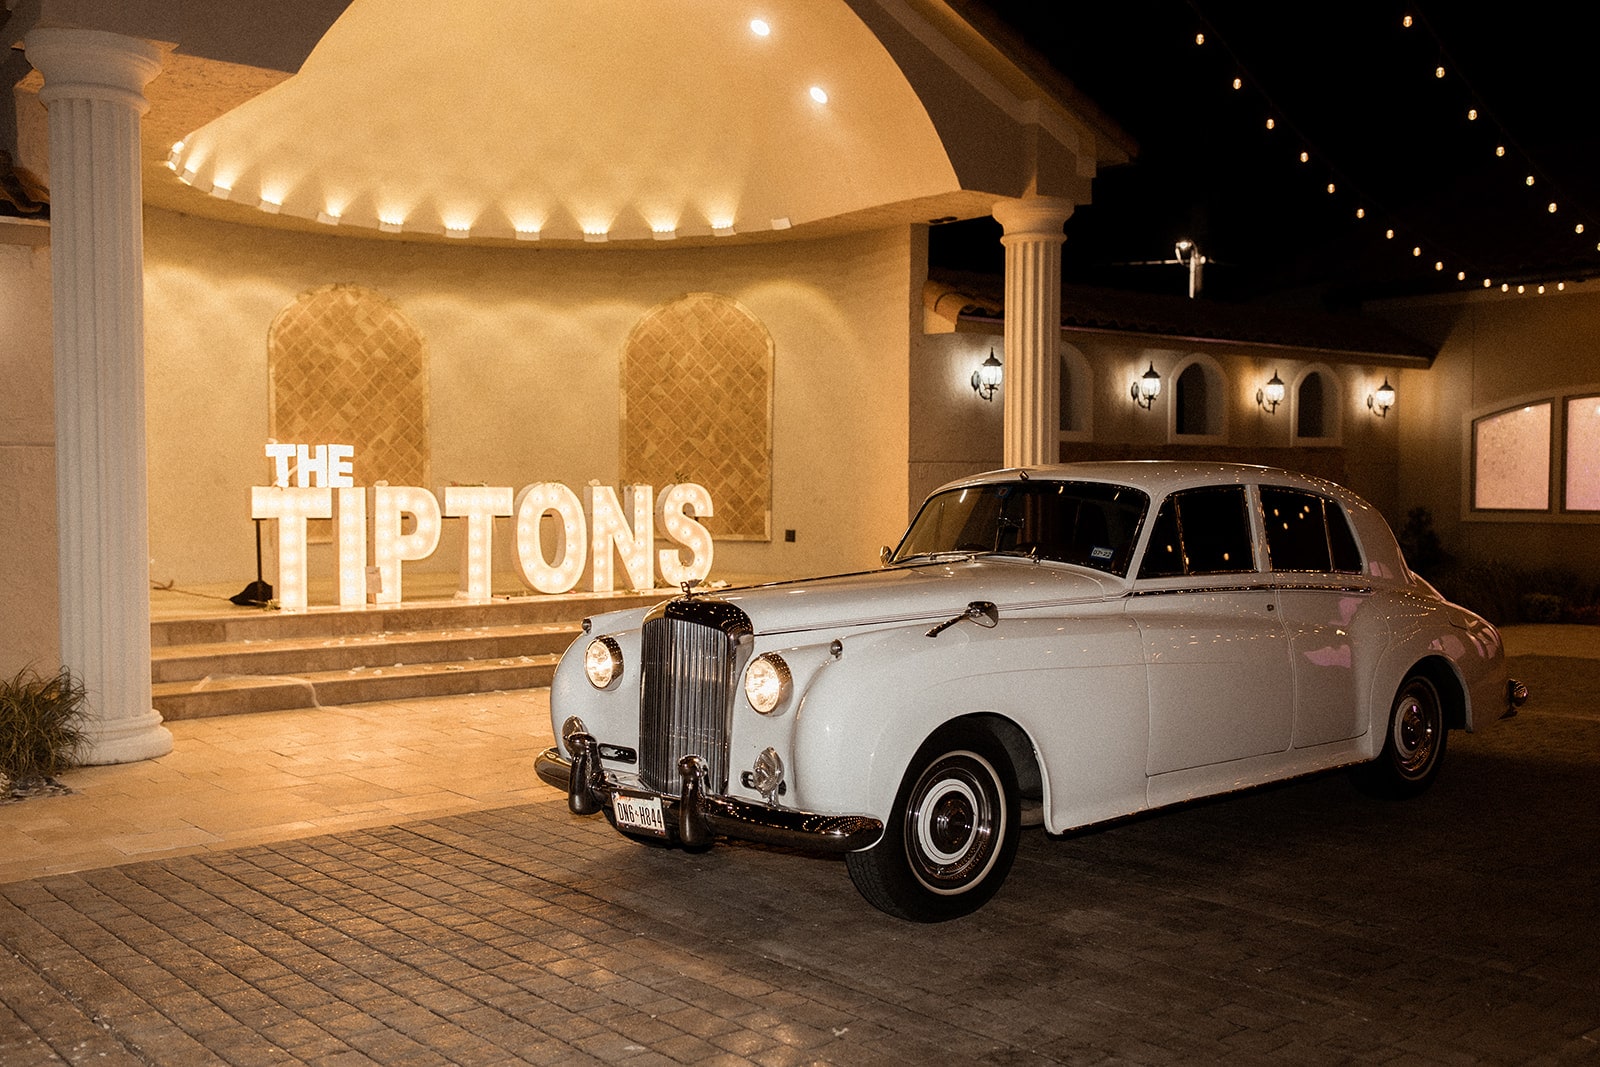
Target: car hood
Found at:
916, 591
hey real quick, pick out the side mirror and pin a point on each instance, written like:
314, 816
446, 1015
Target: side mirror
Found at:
885, 554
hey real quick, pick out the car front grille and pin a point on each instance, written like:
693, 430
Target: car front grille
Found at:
690, 661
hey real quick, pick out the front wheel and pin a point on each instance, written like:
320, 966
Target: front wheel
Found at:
952, 835
1414, 747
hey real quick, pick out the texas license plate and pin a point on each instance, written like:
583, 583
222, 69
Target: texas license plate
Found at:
642, 814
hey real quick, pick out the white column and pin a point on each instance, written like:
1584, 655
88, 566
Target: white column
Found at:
94, 89
1032, 384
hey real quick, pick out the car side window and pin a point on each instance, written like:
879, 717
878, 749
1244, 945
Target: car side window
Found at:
1307, 532
1200, 531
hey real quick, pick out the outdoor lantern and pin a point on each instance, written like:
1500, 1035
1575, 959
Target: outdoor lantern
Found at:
1270, 395
1147, 388
986, 379
1381, 401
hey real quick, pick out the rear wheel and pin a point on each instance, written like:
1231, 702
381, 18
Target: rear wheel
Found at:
1414, 747
952, 835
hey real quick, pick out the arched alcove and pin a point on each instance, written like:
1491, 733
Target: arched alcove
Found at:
1199, 408
1077, 396
346, 366
697, 407
1315, 412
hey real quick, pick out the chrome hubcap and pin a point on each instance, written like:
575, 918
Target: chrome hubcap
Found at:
954, 823
1416, 729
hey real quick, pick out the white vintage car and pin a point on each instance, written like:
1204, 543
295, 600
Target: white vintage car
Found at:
1058, 645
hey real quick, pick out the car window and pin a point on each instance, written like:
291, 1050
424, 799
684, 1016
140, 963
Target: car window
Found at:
1200, 531
1089, 524
1307, 532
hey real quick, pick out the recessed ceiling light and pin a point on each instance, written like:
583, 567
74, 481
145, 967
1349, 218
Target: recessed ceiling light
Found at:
759, 27
819, 94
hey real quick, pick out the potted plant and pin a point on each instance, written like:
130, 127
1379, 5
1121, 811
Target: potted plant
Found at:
41, 729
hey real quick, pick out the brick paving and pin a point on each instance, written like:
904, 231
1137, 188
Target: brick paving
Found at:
1304, 923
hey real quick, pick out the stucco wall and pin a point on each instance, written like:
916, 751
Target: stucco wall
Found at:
1498, 350
28, 598
954, 433
523, 349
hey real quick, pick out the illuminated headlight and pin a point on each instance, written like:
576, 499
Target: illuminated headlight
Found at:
766, 682
602, 662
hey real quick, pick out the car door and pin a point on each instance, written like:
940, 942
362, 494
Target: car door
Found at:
1316, 565
1216, 656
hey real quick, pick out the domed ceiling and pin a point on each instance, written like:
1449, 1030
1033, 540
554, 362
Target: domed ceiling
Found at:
619, 120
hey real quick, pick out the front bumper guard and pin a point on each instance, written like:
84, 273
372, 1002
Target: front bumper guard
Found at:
697, 816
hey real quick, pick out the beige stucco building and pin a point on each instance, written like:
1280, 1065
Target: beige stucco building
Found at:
569, 244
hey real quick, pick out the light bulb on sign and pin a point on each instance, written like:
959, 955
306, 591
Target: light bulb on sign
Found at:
390, 547
291, 507
533, 503
478, 504
676, 510
609, 528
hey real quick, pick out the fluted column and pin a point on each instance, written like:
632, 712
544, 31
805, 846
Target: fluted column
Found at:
1032, 238
94, 90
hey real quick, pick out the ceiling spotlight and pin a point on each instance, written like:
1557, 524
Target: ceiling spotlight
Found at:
819, 94
759, 27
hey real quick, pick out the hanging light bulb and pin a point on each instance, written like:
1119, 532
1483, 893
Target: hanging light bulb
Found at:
1528, 179
1552, 207
1438, 72
1461, 275
1272, 123
1305, 157
1199, 38
1578, 228
1416, 250
1438, 264
1238, 83
1388, 235
1472, 114
1361, 212
1499, 149
1330, 188
1406, 22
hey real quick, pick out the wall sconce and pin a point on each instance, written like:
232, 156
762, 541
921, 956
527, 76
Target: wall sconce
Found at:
986, 379
1381, 401
1147, 388
1270, 395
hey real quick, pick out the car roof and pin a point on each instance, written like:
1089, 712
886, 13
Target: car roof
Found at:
1158, 477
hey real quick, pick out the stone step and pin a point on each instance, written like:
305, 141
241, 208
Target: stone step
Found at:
241, 694
177, 663
234, 661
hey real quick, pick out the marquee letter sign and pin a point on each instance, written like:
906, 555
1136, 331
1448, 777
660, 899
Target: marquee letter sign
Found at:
315, 482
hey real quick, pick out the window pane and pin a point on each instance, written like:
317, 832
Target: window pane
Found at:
1511, 459
1216, 531
1346, 555
1297, 540
1162, 558
1583, 453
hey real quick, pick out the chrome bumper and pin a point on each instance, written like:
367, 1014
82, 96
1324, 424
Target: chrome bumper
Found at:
697, 817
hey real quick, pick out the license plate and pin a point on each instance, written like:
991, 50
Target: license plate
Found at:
639, 813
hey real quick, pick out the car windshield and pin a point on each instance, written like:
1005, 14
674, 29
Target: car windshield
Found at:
1090, 524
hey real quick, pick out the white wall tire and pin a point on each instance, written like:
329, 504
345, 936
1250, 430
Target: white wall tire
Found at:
951, 838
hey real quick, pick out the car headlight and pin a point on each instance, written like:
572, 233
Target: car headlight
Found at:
602, 662
766, 682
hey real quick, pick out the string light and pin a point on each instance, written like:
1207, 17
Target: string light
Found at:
1444, 66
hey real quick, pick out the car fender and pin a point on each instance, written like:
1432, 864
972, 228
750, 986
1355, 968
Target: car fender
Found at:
863, 717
